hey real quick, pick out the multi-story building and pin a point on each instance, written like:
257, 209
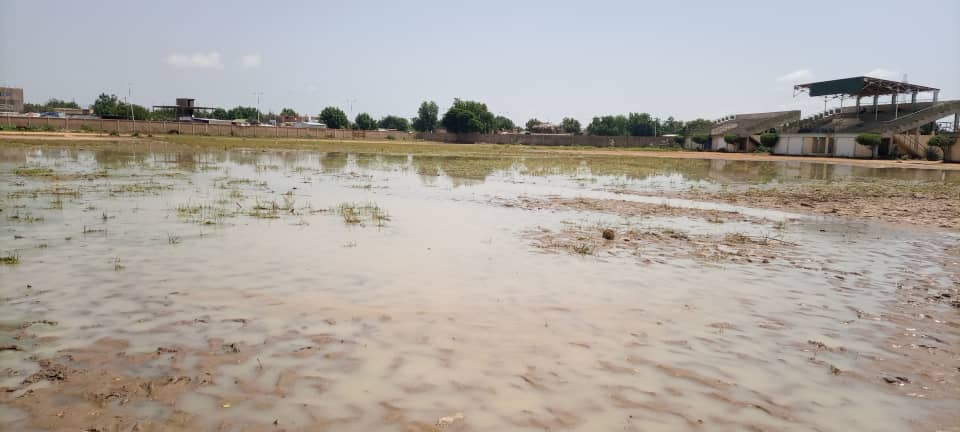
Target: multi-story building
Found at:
11, 99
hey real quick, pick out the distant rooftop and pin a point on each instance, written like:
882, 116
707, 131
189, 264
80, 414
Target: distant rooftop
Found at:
861, 86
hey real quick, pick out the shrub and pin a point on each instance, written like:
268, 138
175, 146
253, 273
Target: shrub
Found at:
933, 153
868, 139
391, 137
700, 138
48, 128
944, 142
769, 139
734, 139
86, 128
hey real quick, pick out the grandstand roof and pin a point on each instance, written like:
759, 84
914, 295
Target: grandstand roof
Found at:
860, 86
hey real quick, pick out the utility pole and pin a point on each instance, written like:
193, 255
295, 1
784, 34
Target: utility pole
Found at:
258, 94
350, 102
129, 104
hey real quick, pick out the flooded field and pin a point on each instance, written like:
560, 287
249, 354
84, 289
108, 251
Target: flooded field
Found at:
151, 286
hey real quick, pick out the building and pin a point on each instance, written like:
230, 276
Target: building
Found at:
184, 109
898, 122
11, 99
747, 126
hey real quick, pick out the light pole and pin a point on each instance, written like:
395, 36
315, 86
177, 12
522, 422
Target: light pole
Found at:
350, 102
258, 94
129, 97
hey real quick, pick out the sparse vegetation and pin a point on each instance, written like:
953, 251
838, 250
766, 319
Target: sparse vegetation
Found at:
356, 214
33, 172
10, 258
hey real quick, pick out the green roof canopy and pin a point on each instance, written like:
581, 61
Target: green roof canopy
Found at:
860, 86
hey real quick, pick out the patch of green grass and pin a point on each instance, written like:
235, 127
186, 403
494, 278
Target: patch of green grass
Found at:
10, 258
24, 217
357, 214
33, 172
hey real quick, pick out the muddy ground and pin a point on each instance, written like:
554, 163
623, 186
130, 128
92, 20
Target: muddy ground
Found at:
169, 288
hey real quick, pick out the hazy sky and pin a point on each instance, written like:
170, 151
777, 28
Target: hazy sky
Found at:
524, 59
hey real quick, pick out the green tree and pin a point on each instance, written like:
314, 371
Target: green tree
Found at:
532, 123
945, 142
51, 105
732, 138
242, 113
570, 125
671, 126
426, 119
288, 112
642, 124
696, 126
394, 122
334, 118
700, 138
502, 123
365, 122
608, 126
106, 105
219, 114
871, 140
769, 139
468, 117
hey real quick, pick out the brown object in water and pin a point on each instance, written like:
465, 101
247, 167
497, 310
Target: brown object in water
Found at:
609, 234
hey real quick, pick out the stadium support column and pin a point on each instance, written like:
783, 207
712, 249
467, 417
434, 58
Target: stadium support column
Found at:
875, 99
956, 122
896, 107
935, 95
913, 98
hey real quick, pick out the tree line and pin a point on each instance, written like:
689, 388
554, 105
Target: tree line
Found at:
463, 116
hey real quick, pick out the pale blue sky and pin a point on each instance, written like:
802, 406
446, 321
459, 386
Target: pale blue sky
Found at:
524, 59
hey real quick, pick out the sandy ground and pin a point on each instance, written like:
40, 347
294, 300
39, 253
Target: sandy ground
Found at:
919, 164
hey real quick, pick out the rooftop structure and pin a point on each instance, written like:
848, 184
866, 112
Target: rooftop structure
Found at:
184, 108
11, 99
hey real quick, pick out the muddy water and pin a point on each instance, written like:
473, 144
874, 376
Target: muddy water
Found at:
237, 279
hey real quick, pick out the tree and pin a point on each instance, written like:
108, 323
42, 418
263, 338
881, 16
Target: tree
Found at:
700, 138
671, 126
426, 119
769, 140
363, 121
288, 112
871, 140
334, 118
219, 114
945, 142
468, 117
733, 138
608, 126
570, 125
502, 123
532, 123
106, 105
50, 105
642, 124
243, 113
696, 126
395, 122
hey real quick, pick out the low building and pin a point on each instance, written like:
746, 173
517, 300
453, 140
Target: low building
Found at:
748, 126
11, 99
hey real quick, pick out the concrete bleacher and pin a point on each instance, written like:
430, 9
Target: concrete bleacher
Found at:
886, 119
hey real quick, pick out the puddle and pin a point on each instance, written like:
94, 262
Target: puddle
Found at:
222, 290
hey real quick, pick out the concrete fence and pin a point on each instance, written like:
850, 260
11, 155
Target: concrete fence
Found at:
191, 128
551, 140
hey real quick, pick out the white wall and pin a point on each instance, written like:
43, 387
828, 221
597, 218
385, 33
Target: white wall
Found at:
789, 144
